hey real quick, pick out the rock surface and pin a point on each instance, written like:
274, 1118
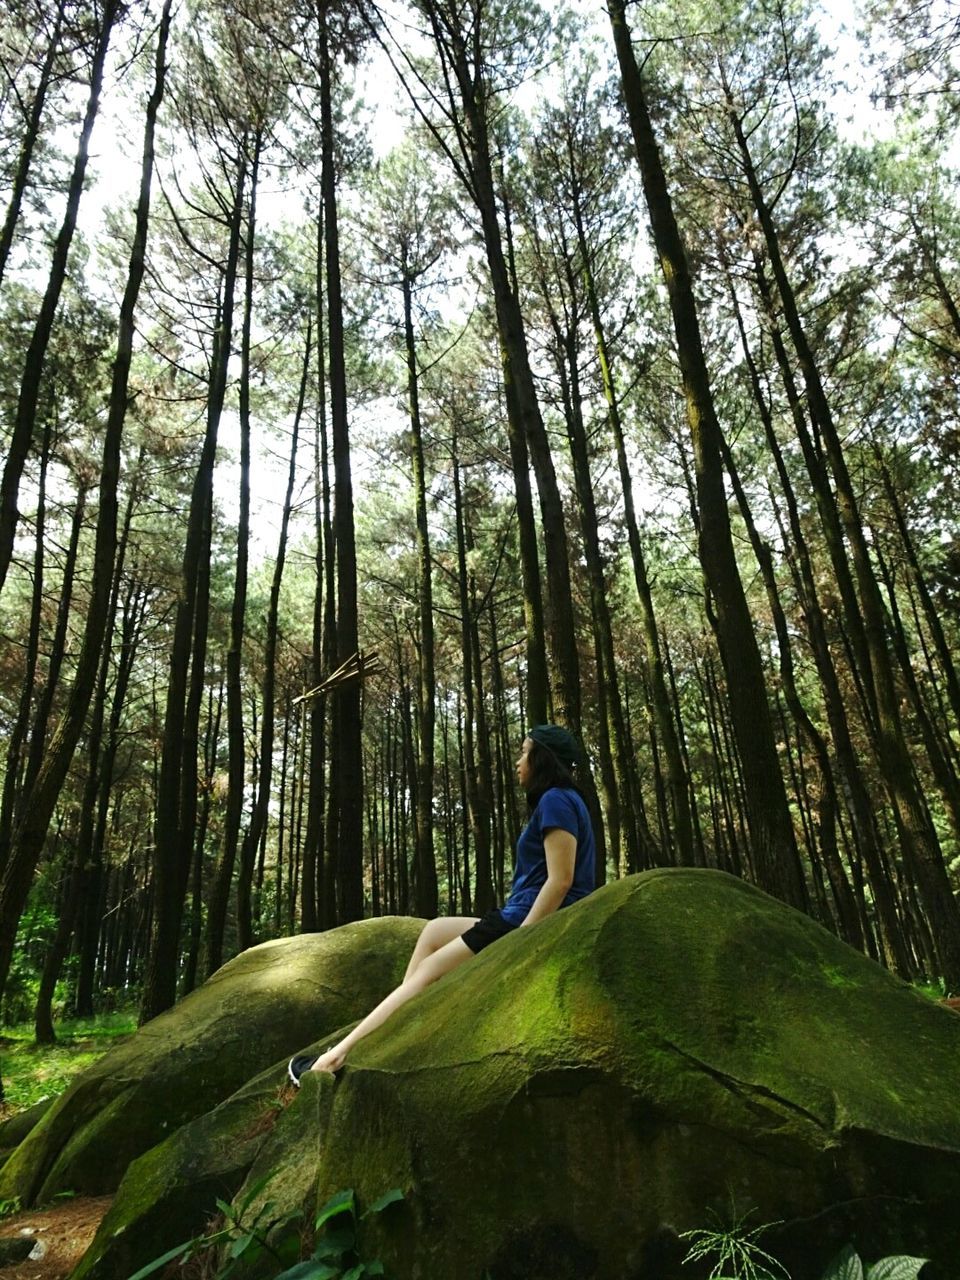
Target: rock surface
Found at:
180, 1180
262, 1005
15, 1129
584, 1091
675, 1045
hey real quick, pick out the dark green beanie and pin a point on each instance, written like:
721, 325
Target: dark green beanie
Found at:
561, 743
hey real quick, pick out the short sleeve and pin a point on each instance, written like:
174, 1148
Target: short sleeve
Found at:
557, 809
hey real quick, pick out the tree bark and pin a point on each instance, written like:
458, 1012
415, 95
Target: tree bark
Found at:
917, 836
236, 737
29, 139
347, 794
427, 900
477, 800
258, 821
853, 784
13, 765
26, 412
174, 828
771, 831
465, 74
93, 825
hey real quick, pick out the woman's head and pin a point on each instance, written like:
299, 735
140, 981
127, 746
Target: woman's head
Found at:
548, 758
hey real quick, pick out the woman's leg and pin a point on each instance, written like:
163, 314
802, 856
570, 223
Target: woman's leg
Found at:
428, 970
435, 935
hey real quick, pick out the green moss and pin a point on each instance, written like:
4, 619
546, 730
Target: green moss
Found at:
628, 1061
175, 1185
265, 1003
837, 978
14, 1129
587, 1088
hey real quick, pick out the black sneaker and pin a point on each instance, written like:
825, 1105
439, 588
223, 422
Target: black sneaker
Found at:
298, 1065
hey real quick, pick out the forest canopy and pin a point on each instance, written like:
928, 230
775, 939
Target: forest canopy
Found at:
377, 381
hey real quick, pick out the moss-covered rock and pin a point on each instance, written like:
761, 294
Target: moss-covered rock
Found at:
14, 1129
586, 1090
570, 1101
264, 1004
180, 1180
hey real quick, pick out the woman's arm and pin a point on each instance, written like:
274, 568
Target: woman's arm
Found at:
560, 848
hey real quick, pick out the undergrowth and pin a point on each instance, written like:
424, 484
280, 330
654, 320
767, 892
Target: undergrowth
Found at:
33, 1072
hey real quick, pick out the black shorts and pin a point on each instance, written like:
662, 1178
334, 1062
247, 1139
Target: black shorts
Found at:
488, 929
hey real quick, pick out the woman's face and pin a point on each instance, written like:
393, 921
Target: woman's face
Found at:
524, 769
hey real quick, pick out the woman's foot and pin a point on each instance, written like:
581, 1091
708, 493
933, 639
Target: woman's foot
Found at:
298, 1065
331, 1061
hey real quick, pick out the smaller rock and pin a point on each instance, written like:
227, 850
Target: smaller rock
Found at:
15, 1249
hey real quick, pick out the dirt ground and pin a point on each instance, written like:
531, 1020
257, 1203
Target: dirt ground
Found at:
63, 1232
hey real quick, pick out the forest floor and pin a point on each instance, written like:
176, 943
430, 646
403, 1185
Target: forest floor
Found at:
62, 1232
32, 1072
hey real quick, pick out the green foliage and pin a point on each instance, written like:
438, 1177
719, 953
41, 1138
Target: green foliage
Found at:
735, 1255
38, 924
9, 1207
33, 1072
933, 989
245, 1239
733, 1251
335, 1256
847, 1266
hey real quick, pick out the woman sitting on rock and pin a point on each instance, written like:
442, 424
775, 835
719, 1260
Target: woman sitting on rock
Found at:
555, 866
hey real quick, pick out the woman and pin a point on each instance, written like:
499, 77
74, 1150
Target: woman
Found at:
555, 867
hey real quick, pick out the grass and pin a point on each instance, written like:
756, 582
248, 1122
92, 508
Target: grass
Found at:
32, 1072
933, 989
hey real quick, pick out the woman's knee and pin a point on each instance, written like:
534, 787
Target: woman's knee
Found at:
449, 956
431, 935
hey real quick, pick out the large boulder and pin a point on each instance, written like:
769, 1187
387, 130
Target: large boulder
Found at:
180, 1180
15, 1128
260, 1007
678, 1044
586, 1090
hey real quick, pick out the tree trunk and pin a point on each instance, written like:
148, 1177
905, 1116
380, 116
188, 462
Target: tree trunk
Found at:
25, 418
315, 848
637, 842
917, 835
13, 770
771, 831
258, 821
32, 830
466, 87
192, 966
96, 801
58, 647
43, 1031
477, 800
29, 140
427, 901
677, 781
853, 785
348, 793
930, 613
236, 738
29, 834
840, 886
174, 828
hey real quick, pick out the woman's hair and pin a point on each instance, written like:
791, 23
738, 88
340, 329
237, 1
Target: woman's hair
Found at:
546, 771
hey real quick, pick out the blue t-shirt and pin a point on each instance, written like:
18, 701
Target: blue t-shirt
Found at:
559, 807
